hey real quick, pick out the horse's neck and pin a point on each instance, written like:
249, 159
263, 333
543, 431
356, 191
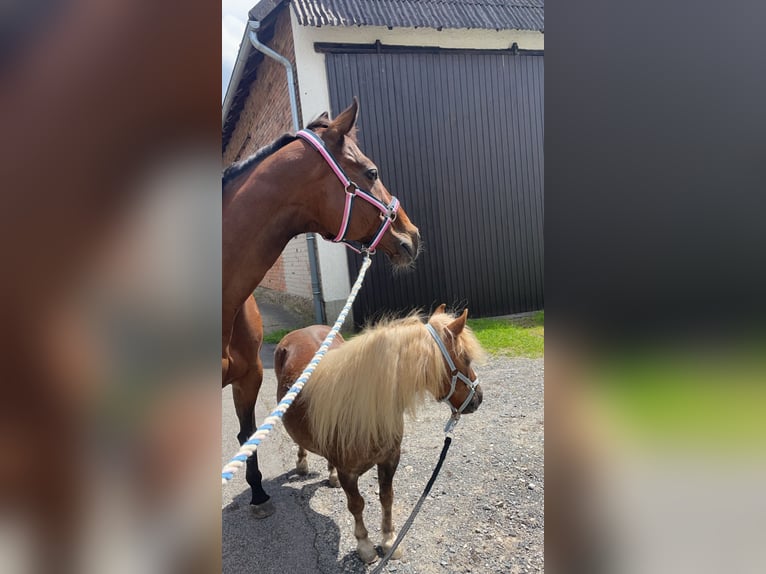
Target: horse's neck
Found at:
253, 239
258, 222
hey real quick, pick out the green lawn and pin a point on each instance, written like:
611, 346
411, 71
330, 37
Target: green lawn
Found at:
521, 337
275, 336
705, 400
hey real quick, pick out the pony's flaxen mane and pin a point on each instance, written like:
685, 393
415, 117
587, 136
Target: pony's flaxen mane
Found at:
359, 392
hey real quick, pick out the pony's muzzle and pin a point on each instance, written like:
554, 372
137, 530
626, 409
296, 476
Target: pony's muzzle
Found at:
478, 396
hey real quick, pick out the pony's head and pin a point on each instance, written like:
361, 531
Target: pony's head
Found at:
459, 384
401, 241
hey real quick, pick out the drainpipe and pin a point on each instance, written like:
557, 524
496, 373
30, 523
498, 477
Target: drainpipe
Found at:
253, 26
316, 286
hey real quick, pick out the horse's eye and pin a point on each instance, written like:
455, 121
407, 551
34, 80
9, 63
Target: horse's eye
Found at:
372, 174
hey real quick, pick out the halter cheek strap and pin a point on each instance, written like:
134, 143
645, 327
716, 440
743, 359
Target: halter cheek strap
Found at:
456, 374
388, 212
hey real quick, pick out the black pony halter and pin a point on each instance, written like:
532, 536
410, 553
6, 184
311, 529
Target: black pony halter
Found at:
388, 212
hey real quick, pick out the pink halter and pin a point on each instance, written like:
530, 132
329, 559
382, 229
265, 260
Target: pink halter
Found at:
353, 191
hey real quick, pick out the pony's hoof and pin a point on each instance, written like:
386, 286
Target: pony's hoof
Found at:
386, 546
302, 467
263, 510
367, 551
333, 480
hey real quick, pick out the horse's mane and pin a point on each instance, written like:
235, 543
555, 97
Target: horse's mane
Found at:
236, 169
240, 167
360, 391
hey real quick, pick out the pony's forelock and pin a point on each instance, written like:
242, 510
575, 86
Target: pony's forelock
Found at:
466, 344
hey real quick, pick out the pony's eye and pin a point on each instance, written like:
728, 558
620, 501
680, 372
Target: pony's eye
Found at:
372, 174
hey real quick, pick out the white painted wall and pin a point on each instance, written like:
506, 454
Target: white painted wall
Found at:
315, 95
333, 268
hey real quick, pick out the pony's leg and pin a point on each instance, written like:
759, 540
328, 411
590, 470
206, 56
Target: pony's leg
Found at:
333, 478
245, 392
302, 465
386, 473
364, 547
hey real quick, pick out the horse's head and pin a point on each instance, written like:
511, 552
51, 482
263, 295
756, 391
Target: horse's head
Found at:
401, 240
460, 384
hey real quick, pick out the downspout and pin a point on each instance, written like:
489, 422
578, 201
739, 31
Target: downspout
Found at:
316, 286
253, 26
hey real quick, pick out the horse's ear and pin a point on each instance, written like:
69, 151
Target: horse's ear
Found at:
457, 326
440, 309
324, 116
341, 125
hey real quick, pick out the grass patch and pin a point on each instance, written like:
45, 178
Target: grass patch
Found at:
275, 336
708, 401
518, 337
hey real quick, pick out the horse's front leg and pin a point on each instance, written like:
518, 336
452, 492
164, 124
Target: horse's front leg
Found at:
245, 391
386, 473
364, 547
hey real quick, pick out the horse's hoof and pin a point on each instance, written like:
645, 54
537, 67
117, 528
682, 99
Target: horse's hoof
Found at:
302, 467
367, 551
263, 510
333, 480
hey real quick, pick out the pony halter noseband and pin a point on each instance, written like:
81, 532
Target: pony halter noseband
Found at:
456, 374
388, 212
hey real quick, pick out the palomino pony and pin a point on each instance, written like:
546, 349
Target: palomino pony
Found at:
300, 183
352, 409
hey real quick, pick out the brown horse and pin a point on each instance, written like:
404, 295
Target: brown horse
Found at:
352, 409
285, 189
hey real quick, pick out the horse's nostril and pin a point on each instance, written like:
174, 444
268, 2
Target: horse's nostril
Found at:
407, 247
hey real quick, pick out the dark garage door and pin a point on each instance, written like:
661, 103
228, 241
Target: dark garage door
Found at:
458, 137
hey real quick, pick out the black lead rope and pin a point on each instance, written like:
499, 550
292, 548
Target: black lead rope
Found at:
408, 523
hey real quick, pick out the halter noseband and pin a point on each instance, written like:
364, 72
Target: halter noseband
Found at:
456, 374
353, 191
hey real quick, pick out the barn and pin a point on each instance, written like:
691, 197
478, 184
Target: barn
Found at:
451, 110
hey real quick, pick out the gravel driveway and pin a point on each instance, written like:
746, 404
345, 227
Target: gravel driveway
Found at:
484, 514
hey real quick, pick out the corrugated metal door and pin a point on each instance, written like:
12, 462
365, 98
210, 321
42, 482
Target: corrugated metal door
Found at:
458, 137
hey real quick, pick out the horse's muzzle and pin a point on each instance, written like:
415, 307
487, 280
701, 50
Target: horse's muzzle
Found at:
409, 248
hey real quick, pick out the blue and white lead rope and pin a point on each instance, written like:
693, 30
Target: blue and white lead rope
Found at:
249, 447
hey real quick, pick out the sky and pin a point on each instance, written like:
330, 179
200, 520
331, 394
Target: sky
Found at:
233, 20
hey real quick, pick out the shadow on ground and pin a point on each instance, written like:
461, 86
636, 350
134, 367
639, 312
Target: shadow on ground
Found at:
296, 539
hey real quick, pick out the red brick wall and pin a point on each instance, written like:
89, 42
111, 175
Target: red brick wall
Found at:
275, 278
266, 113
265, 116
